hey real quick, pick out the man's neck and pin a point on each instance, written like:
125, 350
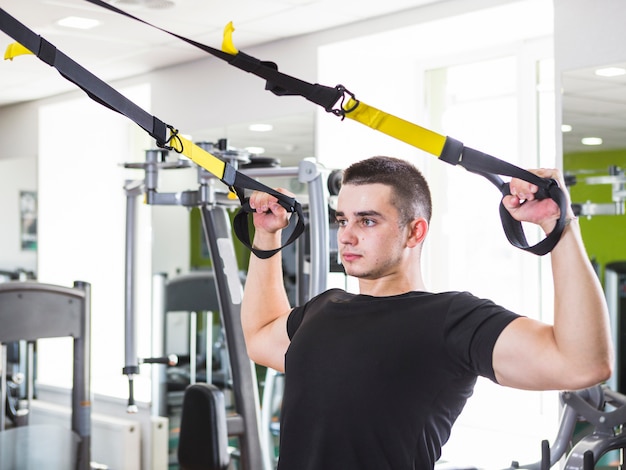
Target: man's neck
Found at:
386, 287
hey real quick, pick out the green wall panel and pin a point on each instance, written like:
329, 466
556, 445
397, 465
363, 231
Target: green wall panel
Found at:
604, 235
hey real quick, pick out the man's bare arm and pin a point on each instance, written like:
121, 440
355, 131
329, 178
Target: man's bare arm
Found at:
576, 351
265, 306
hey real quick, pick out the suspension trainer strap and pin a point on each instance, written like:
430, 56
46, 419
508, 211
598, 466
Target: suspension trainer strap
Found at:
276, 82
165, 135
445, 148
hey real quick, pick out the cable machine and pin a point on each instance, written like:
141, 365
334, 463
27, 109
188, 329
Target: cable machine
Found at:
214, 204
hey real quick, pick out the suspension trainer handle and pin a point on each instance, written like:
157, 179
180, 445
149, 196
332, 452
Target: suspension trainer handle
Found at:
241, 225
489, 167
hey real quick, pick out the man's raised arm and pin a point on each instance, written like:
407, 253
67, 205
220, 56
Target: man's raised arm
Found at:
265, 306
576, 351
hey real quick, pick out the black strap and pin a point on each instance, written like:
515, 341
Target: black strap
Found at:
490, 167
95, 88
278, 83
107, 96
240, 222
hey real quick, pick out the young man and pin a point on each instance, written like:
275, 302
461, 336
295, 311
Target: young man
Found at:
376, 380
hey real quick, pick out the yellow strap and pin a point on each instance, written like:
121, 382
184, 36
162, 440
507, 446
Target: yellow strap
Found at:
15, 49
199, 156
393, 126
227, 43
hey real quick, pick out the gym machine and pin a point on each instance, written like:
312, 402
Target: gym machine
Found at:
616, 179
214, 204
29, 311
20, 365
604, 411
615, 291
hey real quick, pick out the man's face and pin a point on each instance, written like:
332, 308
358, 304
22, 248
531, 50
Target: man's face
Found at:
371, 241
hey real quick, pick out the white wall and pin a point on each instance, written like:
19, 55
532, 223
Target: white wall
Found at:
18, 171
586, 34
82, 227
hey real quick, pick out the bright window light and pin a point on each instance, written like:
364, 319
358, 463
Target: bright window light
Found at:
591, 141
566, 128
78, 23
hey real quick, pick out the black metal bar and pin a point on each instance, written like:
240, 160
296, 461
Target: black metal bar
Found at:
217, 230
545, 455
588, 460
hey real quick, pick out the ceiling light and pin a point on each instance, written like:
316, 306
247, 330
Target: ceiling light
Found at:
78, 23
261, 127
255, 150
610, 71
152, 4
566, 128
591, 141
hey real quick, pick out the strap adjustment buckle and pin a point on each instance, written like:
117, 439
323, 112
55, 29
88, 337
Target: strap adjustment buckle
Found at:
341, 111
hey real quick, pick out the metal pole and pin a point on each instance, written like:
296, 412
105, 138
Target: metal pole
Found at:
217, 231
81, 389
3, 386
133, 189
158, 371
193, 347
208, 318
310, 173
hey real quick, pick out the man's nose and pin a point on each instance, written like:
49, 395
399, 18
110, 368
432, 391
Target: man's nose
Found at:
346, 234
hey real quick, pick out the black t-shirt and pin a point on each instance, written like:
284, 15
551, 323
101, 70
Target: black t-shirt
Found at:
375, 383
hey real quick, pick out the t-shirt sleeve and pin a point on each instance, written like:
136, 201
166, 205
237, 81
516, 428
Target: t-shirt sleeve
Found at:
473, 326
297, 313
294, 320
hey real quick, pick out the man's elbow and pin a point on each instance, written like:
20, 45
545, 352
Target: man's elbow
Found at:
253, 349
606, 363
598, 372
604, 371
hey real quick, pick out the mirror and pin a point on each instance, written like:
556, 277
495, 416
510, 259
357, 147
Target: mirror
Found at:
594, 138
288, 138
594, 105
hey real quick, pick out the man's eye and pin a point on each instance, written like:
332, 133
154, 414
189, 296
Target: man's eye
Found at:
368, 222
341, 222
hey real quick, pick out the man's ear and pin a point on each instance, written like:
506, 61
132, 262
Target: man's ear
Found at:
418, 231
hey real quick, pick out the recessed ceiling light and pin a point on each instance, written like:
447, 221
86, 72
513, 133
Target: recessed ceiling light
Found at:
255, 150
591, 141
153, 4
261, 127
610, 71
78, 23
566, 128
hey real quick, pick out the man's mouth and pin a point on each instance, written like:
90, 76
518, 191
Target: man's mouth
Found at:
347, 257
